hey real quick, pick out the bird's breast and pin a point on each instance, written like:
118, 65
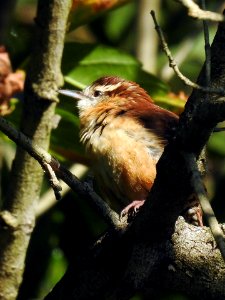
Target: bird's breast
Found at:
124, 155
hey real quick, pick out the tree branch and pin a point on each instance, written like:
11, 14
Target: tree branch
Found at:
194, 11
207, 49
45, 159
196, 123
117, 267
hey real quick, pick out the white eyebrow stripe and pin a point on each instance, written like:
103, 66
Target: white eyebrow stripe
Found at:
108, 88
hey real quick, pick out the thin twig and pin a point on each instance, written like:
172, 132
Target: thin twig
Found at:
43, 157
208, 212
173, 65
55, 184
207, 49
166, 73
47, 200
194, 11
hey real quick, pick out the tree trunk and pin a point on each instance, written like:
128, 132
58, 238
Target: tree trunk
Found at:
43, 79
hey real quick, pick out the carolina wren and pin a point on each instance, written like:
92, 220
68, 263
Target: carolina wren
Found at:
124, 133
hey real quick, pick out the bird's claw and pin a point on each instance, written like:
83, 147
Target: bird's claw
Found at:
194, 215
131, 209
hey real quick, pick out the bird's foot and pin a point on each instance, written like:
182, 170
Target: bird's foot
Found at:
131, 209
193, 213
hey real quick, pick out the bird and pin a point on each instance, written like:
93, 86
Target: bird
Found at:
124, 133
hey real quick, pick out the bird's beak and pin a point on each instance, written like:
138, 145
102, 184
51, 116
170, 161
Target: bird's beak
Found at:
74, 94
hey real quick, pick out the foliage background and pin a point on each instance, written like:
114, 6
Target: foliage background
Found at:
101, 43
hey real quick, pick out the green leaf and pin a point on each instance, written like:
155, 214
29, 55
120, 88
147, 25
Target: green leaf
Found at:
84, 63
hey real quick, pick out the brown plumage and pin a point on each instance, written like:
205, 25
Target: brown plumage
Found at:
124, 133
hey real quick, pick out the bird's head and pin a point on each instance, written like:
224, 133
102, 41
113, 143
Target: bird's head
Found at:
107, 89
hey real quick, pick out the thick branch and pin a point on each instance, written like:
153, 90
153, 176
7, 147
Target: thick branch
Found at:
153, 250
43, 79
115, 270
196, 124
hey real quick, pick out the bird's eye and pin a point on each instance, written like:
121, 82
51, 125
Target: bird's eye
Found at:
97, 93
